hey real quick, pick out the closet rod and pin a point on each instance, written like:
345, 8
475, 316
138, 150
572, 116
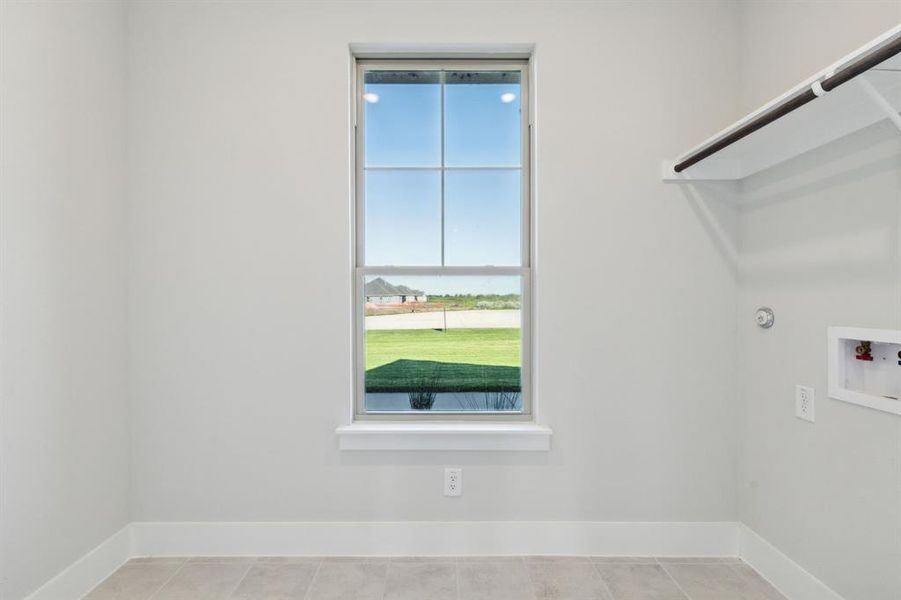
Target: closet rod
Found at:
818, 88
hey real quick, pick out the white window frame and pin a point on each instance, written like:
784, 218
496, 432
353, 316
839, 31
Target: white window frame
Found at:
524, 270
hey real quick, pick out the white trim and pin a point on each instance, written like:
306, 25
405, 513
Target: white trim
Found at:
444, 435
435, 538
84, 574
783, 573
397, 58
512, 51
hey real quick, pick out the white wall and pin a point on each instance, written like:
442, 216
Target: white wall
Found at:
64, 446
239, 202
820, 244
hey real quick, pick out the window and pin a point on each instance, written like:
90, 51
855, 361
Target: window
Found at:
443, 240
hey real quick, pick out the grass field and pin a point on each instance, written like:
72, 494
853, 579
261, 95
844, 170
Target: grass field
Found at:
457, 360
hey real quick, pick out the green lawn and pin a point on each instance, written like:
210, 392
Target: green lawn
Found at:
457, 360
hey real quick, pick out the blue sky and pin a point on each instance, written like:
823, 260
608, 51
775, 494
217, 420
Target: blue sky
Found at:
482, 208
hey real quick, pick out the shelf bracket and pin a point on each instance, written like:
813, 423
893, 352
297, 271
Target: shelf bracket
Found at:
879, 100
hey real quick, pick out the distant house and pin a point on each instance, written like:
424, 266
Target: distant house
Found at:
379, 291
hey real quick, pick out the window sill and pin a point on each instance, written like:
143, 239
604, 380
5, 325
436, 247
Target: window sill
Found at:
444, 436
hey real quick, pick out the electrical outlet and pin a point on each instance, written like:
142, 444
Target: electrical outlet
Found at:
805, 406
453, 482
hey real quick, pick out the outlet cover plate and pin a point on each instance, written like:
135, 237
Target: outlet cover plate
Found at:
805, 403
453, 481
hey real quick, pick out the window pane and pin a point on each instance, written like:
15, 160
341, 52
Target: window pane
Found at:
403, 218
443, 343
403, 118
482, 115
482, 218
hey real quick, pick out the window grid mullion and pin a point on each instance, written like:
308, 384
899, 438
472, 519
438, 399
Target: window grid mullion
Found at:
446, 168
439, 271
442, 80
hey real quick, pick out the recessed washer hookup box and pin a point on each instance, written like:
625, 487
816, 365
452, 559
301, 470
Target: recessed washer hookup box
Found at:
865, 367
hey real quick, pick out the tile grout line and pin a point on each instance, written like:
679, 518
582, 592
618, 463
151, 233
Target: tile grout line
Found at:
673, 579
102, 581
313, 579
385, 580
529, 575
742, 576
601, 577
240, 581
170, 578
525, 567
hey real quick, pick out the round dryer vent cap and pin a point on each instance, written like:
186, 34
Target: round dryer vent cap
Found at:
765, 317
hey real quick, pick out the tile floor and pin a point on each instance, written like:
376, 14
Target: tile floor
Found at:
460, 578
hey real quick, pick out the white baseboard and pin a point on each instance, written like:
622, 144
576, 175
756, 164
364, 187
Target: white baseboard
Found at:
786, 575
436, 538
80, 577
